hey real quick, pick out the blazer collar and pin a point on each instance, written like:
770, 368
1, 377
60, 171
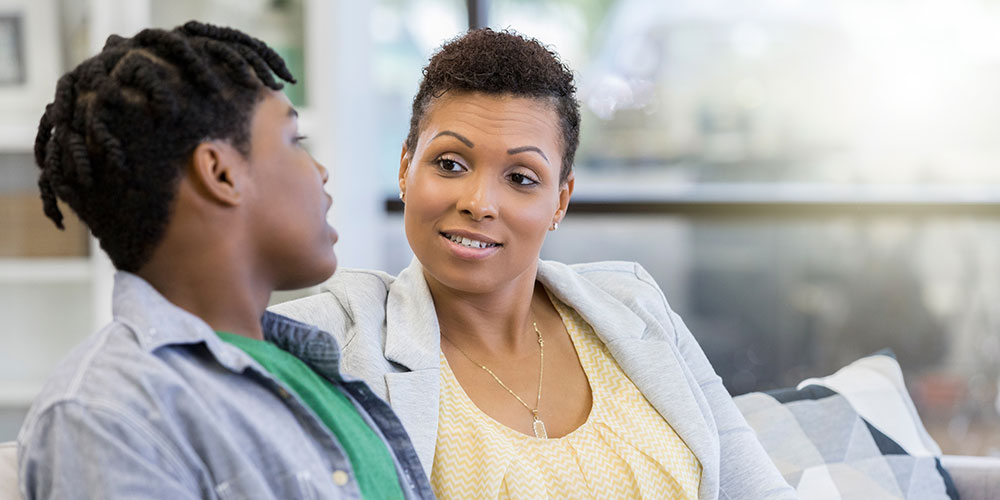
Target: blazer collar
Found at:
610, 318
412, 333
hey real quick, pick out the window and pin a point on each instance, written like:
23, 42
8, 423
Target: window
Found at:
808, 181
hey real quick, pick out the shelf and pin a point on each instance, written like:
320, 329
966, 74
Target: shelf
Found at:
597, 189
45, 270
19, 136
18, 395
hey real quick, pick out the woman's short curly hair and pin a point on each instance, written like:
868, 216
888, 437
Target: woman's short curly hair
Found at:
501, 63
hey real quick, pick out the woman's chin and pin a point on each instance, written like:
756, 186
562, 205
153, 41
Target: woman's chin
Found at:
473, 279
458, 280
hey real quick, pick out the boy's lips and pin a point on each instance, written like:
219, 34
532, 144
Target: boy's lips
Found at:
333, 231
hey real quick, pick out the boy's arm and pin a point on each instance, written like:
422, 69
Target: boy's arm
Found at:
93, 450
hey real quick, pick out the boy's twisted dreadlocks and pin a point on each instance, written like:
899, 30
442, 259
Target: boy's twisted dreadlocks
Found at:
123, 124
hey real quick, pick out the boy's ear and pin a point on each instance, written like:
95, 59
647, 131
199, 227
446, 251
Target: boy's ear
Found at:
218, 171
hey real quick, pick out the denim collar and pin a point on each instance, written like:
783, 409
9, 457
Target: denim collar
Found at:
157, 322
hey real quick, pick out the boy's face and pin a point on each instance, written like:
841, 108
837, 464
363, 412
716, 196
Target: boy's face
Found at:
286, 200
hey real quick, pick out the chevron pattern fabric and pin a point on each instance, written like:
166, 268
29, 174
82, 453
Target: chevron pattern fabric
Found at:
625, 449
854, 435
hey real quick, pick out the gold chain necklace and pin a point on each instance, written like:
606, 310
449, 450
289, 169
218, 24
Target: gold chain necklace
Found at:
536, 423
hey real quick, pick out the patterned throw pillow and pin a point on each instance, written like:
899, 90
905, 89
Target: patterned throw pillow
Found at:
854, 435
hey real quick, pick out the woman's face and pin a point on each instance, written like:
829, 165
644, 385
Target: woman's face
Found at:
482, 189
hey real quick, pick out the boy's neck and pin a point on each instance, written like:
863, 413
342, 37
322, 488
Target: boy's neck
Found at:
220, 291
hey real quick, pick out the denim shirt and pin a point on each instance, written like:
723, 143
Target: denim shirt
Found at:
156, 406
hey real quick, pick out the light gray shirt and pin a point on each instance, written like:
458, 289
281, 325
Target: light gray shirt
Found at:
156, 406
389, 330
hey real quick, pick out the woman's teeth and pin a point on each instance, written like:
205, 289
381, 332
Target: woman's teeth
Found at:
466, 242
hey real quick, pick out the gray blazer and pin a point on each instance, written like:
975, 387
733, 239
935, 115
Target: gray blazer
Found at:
390, 337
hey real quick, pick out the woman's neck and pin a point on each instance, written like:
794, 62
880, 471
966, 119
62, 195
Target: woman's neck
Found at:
497, 322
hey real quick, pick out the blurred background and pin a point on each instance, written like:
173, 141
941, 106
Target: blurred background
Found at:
808, 181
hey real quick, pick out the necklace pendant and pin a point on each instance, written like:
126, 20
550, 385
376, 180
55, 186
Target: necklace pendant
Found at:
539, 427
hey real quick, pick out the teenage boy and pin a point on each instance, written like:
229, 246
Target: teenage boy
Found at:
182, 156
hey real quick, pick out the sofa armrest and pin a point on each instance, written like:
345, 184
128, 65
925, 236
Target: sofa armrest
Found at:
976, 478
8, 472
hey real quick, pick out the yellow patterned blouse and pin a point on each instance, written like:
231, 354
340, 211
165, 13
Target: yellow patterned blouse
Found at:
625, 449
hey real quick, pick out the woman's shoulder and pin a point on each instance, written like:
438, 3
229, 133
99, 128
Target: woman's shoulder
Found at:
612, 276
361, 282
341, 299
593, 284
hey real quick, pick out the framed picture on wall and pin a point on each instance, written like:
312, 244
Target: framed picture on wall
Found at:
30, 64
11, 51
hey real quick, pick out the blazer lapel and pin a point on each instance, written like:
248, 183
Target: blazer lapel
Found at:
414, 398
412, 340
646, 353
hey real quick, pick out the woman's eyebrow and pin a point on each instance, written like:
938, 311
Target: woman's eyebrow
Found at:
522, 149
455, 135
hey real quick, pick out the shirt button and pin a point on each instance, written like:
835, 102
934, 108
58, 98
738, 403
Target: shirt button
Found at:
340, 477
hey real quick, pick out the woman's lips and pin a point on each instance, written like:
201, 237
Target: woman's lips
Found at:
470, 240
468, 248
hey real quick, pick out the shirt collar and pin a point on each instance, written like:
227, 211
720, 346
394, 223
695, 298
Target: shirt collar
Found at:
157, 322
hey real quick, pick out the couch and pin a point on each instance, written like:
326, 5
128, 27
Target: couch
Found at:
8, 472
977, 478
796, 429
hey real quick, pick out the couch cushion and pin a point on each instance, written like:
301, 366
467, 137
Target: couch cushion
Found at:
852, 435
8, 472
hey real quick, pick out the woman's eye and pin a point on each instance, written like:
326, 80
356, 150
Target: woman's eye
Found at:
449, 165
299, 138
521, 179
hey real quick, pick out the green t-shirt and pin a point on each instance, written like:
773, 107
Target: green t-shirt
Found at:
373, 466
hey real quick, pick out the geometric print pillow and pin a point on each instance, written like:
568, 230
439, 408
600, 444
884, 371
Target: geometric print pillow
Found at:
854, 435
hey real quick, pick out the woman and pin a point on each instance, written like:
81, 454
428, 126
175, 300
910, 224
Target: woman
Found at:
517, 377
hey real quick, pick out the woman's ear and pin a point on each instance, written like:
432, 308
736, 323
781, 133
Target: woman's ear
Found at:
218, 171
565, 193
404, 167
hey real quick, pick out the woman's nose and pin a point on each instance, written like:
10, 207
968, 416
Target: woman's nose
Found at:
478, 199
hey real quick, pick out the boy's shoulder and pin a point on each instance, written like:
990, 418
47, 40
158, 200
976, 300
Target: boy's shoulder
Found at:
97, 353
109, 369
